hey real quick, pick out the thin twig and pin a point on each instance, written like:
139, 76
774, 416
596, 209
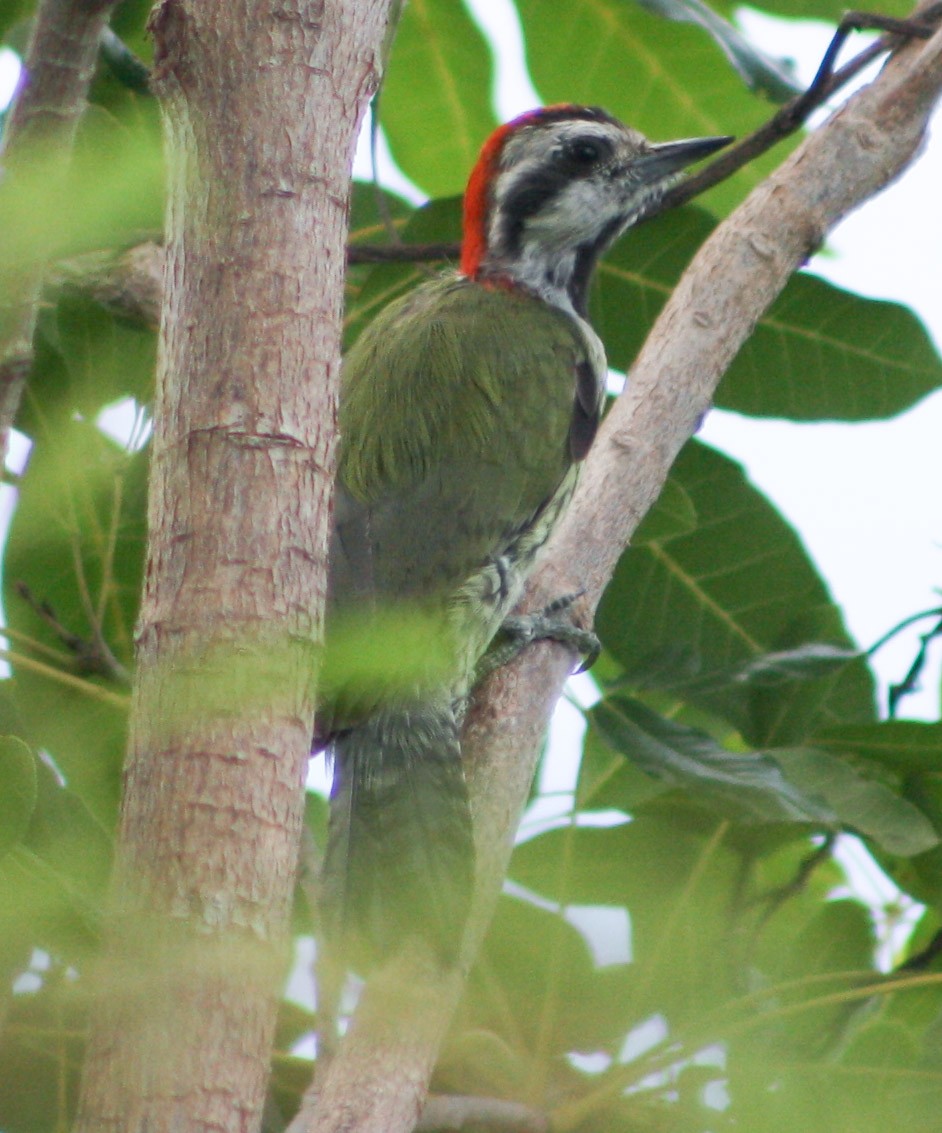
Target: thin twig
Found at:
85, 687
796, 112
936, 612
910, 683
93, 656
774, 899
124, 64
47, 651
402, 253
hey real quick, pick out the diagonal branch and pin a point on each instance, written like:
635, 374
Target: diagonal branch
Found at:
377, 1081
57, 71
730, 283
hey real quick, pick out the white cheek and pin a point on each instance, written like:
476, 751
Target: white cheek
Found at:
578, 214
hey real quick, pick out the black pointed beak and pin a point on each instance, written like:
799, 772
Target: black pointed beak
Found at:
666, 158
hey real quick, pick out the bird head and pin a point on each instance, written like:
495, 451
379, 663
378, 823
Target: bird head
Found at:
554, 188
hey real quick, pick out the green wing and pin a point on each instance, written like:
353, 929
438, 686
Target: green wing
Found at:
461, 409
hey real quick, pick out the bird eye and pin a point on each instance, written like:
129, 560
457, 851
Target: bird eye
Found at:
586, 151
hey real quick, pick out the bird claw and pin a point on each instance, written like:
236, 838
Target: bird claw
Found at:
520, 630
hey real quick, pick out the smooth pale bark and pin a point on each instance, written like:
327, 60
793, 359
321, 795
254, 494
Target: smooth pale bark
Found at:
262, 103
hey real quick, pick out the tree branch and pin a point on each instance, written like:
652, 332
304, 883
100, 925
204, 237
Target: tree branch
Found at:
262, 103
57, 71
130, 285
730, 283
447, 1112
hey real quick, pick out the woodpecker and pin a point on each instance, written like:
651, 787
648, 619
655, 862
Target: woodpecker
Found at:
466, 409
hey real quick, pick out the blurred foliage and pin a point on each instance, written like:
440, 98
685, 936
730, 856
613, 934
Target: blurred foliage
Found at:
679, 951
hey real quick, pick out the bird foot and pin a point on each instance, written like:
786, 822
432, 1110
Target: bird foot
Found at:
552, 623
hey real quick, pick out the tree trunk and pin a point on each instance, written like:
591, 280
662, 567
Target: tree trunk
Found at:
262, 103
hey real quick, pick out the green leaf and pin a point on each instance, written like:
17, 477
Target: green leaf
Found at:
17, 790
53, 881
673, 514
907, 746
41, 1051
690, 614
77, 543
822, 353
527, 950
860, 803
745, 787
667, 80
819, 353
69, 848
829, 10
371, 207
15, 24
436, 222
435, 105
48, 214
104, 359
677, 882
771, 77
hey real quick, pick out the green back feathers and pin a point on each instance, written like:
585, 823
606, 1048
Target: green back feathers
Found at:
446, 371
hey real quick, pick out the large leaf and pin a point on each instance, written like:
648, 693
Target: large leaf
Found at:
748, 787
17, 790
528, 949
65, 860
435, 105
908, 755
666, 80
692, 613
15, 26
54, 879
861, 803
97, 360
76, 543
676, 881
830, 10
673, 514
818, 353
41, 1050
112, 193
907, 746
434, 223
759, 71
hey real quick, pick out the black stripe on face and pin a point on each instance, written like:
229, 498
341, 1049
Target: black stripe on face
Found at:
587, 256
528, 199
577, 158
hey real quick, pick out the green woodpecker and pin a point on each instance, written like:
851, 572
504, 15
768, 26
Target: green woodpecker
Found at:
466, 409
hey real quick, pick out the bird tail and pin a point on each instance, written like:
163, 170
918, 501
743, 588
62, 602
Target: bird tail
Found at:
400, 847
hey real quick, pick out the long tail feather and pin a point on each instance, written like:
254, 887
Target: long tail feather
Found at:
400, 849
